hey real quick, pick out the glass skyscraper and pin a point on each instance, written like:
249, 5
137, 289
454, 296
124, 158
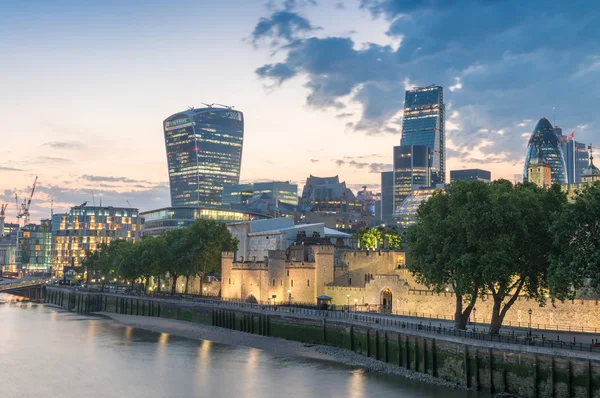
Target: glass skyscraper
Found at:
387, 195
411, 170
424, 124
544, 139
204, 153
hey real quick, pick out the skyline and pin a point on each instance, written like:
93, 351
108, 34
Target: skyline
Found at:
88, 87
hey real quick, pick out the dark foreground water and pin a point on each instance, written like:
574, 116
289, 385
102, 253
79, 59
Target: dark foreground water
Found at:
46, 352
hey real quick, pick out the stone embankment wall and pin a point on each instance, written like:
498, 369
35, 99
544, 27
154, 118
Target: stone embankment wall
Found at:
521, 370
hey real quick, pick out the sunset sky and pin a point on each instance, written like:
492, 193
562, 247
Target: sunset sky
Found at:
84, 88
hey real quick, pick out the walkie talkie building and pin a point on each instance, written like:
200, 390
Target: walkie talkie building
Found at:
204, 153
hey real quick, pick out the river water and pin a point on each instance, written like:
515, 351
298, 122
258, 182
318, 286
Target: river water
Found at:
46, 352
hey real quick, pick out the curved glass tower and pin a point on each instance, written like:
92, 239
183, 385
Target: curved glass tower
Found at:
544, 138
204, 153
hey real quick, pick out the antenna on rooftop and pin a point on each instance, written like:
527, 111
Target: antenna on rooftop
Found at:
554, 115
209, 105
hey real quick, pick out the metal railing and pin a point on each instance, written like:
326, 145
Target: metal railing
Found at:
12, 284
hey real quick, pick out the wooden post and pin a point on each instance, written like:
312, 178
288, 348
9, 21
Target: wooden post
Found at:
399, 345
386, 347
466, 365
433, 358
491, 359
351, 337
377, 344
368, 343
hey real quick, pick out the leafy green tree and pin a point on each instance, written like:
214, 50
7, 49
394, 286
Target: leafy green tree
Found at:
575, 259
376, 238
514, 248
443, 244
153, 257
210, 239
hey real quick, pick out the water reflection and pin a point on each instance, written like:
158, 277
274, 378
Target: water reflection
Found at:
48, 353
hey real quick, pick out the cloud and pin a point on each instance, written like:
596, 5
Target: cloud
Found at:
64, 145
496, 69
50, 160
371, 167
125, 180
6, 168
285, 25
314, 160
343, 115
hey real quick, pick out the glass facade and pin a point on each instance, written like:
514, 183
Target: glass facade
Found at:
278, 190
575, 154
411, 170
35, 247
86, 228
406, 213
424, 124
204, 153
470, 175
158, 221
545, 138
387, 195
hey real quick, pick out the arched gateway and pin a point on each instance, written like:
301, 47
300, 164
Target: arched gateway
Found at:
386, 301
251, 299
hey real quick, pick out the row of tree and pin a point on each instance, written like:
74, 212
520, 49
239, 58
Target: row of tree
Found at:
182, 252
506, 240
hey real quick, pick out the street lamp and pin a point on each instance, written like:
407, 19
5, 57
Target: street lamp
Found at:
348, 297
530, 312
205, 291
474, 314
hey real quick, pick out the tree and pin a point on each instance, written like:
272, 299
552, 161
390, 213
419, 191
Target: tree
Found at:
514, 247
374, 238
575, 259
153, 257
210, 239
442, 245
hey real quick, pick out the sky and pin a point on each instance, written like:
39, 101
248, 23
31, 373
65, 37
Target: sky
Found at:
85, 86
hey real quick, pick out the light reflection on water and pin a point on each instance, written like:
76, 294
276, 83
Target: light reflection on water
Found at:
49, 353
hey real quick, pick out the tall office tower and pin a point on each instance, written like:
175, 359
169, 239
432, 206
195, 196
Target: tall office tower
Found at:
204, 153
424, 124
387, 195
575, 154
411, 170
545, 144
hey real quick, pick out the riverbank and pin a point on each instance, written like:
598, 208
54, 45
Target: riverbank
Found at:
275, 345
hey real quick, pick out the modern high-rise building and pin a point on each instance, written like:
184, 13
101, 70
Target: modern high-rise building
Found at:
204, 153
424, 124
281, 191
411, 170
470, 175
387, 195
575, 154
544, 139
86, 228
35, 247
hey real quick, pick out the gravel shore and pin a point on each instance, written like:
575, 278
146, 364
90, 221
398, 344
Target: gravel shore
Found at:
276, 345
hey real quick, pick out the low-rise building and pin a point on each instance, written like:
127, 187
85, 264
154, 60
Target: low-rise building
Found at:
160, 220
86, 228
282, 191
470, 175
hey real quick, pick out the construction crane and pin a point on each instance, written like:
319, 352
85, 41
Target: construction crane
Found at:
27, 203
2, 213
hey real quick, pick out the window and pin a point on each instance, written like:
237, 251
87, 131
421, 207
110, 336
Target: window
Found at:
230, 281
288, 272
308, 282
273, 282
292, 283
282, 282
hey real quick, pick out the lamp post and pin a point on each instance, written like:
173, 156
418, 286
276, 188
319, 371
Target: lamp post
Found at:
474, 314
348, 297
205, 291
530, 312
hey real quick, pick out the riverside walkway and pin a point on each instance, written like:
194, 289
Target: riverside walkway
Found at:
566, 340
